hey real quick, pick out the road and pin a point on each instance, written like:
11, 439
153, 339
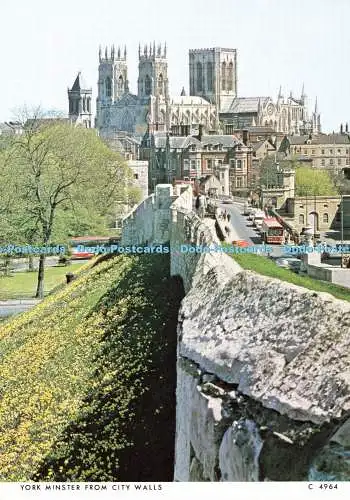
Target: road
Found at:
22, 264
10, 307
244, 228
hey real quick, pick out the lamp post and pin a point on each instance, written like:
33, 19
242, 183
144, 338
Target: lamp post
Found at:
342, 227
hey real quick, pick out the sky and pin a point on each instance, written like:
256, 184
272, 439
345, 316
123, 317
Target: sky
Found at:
43, 44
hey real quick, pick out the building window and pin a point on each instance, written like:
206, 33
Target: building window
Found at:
312, 151
209, 164
186, 165
323, 162
325, 217
325, 205
301, 218
331, 161
230, 76
339, 150
331, 151
322, 151
239, 164
148, 85
347, 161
108, 84
136, 176
199, 77
223, 76
301, 206
239, 182
339, 161
210, 76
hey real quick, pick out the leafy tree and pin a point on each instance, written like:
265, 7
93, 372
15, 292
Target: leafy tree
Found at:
311, 181
61, 180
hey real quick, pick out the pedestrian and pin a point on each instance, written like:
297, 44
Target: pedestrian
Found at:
225, 215
228, 217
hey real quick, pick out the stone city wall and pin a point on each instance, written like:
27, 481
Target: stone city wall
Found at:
263, 369
149, 221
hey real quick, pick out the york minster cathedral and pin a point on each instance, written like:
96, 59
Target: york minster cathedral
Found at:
212, 101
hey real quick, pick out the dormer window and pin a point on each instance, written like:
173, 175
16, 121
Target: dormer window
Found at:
193, 147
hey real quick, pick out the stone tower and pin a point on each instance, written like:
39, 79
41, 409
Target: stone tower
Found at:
112, 75
153, 72
213, 74
79, 98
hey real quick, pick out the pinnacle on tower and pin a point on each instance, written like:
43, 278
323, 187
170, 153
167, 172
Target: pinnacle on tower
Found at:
139, 50
154, 48
106, 54
145, 50
183, 92
159, 50
100, 53
165, 49
112, 52
124, 51
118, 51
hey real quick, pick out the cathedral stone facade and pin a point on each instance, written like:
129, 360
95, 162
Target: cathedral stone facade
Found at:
152, 108
289, 116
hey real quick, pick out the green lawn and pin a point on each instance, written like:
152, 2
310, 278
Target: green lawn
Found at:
23, 284
267, 267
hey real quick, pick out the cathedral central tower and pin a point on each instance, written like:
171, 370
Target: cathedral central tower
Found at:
213, 74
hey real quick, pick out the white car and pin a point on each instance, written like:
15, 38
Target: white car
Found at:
252, 212
291, 263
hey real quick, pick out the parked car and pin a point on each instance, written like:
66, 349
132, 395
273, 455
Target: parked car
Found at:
291, 263
252, 212
240, 243
247, 208
258, 218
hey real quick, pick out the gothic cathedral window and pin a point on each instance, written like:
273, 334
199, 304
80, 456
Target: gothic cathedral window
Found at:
199, 77
148, 87
108, 87
223, 76
120, 83
210, 76
160, 84
230, 76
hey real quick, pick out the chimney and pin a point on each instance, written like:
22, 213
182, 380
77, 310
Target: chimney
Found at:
245, 137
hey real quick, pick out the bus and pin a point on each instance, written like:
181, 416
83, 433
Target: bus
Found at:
75, 245
272, 231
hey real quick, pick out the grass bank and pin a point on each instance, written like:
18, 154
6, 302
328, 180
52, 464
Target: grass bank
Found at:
22, 284
264, 265
88, 378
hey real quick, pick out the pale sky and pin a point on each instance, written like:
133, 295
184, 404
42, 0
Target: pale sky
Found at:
280, 42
